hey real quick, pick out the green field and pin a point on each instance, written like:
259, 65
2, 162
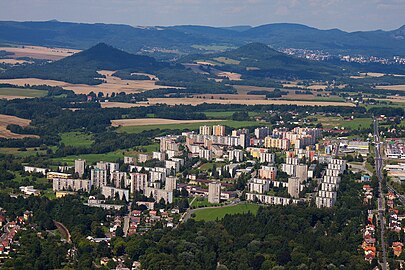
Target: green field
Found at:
9, 91
191, 126
227, 61
225, 114
209, 165
200, 202
17, 153
92, 158
212, 47
211, 214
109, 157
331, 122
77, 139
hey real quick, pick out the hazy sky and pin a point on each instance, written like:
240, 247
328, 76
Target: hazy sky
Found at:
350, 15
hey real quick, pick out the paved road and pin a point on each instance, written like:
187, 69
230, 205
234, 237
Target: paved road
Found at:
127, 218
381, 203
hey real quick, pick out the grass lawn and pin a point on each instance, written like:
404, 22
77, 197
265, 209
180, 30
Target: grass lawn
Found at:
200, 202
218, 213
77, 139
208, 166
189, 126
10, 91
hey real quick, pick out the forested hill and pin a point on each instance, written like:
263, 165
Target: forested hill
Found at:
259, 60
191, 38
82, 67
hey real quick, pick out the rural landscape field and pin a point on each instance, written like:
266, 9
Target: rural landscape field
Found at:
193, 135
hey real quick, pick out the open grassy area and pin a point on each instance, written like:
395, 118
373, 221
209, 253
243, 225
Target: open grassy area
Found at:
227, 61
189, 126
92, 158
77, 139
19, 178
209, 165
18, 92
17, 153
225, 114
109, 157
331, 122
211, 214
200, 202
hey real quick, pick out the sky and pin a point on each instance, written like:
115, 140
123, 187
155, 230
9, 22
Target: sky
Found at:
348, 15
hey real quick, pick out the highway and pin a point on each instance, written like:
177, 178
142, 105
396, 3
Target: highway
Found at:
381, 204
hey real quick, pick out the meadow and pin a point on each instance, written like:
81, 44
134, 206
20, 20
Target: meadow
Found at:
10, 92
332, 122
77, 139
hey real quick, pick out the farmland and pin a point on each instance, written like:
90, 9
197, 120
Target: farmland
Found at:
197, 101
211, 214
11, 93
399, 87
39, 52
155, 121
111, 85
6, 120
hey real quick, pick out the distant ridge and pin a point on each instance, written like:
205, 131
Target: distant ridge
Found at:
184, 38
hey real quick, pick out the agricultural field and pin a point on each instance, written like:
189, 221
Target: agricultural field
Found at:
13, 61
111, 85
399, 87
28, 152
6, 120
155, 121
190, 126
227, 61
76, 139
211, 214
225, 114
197, 101
39, 52
13, 93
124, 105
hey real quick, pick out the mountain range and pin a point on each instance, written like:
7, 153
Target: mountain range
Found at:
191, 38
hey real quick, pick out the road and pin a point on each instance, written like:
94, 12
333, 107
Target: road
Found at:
127, 219
381, 203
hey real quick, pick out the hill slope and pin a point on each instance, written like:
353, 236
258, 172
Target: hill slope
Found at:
82, 67
182, 38
259, 60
